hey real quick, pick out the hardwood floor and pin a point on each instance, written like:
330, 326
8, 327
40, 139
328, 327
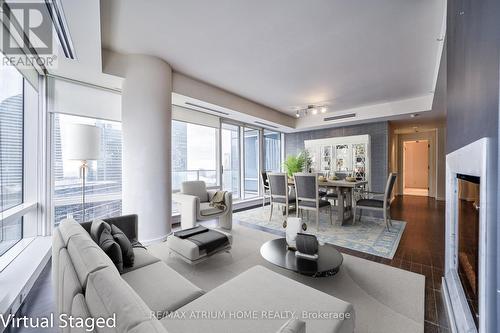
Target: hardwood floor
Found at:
421, 250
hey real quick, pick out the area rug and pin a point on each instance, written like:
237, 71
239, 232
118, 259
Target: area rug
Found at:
368, 235
385, 299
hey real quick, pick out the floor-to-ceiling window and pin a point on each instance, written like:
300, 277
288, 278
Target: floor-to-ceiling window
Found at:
11, 153
272, 151
230, 156
103, 187
194, 153
251, 147
222, 152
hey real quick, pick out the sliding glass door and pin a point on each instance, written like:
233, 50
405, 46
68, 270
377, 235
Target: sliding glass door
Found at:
251, 147
229, 154
230, 159
272, 151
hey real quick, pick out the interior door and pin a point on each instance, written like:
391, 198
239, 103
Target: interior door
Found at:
416, 164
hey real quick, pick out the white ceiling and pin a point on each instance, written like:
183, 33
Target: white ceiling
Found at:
289, 53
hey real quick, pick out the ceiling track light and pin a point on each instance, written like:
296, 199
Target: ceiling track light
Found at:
312, 109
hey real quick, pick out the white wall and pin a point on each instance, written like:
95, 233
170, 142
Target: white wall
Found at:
115, 64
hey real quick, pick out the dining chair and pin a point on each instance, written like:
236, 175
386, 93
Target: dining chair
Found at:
383, 204
265, 187
278, 192
308, 197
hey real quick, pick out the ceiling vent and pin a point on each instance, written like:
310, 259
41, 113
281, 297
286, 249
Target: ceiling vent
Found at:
206, 108
61, 27
264, 124
343, 116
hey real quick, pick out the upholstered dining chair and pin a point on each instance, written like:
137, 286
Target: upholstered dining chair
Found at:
278, 192
383, 203
265, 187
308, 196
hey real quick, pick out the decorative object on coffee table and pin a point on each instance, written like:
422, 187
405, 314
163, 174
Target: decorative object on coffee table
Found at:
307, 246
293, 226
328, 264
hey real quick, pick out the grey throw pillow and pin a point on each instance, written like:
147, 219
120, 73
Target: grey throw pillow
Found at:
96, 229
111, 248
125, 245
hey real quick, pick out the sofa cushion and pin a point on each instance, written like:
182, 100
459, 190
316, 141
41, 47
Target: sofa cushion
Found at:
207, 210
142, 258
97, 227
293, 326
111, 248
57, 246
161, 287
87, 256
152, 326
79, 310
68, 285
68, 228
196, 188
125, 246
260, 289
107, 294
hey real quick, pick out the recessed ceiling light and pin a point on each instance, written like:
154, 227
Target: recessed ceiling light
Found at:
414, 115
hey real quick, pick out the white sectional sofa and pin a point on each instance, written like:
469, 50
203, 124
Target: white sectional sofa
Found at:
88, 285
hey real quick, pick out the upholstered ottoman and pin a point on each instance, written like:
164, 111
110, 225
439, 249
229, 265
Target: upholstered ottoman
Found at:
190, 252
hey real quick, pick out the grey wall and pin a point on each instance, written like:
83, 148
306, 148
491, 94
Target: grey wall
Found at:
473, 57
379, 134
473, 71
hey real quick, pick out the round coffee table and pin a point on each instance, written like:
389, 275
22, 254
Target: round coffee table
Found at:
328, 264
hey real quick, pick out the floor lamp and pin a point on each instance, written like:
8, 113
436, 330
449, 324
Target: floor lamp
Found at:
84, 144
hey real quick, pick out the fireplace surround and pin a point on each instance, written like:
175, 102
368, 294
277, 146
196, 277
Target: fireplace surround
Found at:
467, 166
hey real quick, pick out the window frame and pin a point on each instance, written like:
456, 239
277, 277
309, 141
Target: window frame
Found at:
32, 221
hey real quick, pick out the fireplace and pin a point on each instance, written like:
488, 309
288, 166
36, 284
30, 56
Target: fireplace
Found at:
468, 203
470, 222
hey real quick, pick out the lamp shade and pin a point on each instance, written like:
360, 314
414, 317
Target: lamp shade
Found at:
83, 142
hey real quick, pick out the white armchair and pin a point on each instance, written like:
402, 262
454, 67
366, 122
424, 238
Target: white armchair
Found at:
194, 200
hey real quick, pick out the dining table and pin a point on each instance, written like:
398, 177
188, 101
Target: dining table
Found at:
345, 195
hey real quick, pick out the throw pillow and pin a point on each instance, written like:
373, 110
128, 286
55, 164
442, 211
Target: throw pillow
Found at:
125, 245
96, 229
111, 248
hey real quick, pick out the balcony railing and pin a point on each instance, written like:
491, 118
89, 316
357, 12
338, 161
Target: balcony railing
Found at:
179, 176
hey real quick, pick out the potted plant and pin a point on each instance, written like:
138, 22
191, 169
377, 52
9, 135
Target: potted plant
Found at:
293, 164
297, 163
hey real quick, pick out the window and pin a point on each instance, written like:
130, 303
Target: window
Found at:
103, 186
222, 153
194, 153
11, 154
231, 159
252, 158
272, 151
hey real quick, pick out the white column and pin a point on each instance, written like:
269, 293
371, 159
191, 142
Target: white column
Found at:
146, 125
